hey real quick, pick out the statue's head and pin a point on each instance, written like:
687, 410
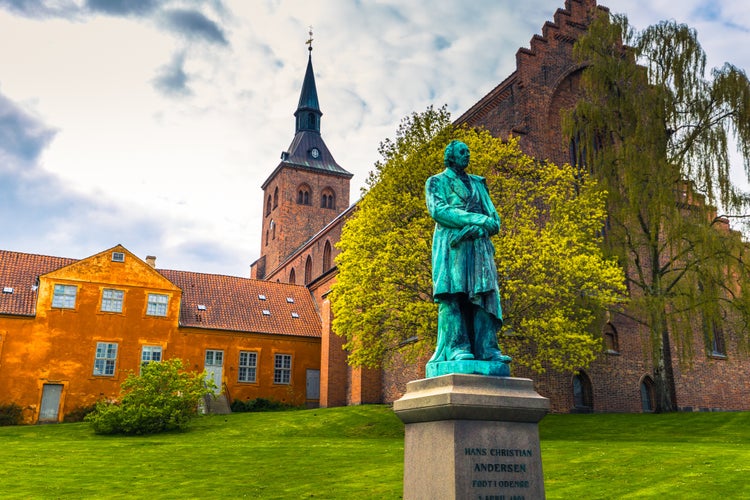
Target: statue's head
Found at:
456, 155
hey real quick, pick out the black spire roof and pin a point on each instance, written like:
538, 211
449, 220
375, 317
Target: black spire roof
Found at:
308, 150
308, 109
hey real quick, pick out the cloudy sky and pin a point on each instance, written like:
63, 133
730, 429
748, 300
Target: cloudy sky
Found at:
153, 123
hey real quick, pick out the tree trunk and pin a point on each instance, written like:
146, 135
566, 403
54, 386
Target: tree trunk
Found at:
666, 398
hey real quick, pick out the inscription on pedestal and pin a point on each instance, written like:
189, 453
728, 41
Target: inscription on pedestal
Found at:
494, 470
471, 437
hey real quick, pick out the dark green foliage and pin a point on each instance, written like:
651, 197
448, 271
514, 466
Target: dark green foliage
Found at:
162, 398
78, 414
259, 404
10, 414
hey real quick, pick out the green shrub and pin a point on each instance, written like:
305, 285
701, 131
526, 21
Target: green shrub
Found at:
10, 414
161, 398
259, 404
78, 414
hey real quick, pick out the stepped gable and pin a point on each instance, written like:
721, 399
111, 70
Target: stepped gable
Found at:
220, 302
528, 102
19, 273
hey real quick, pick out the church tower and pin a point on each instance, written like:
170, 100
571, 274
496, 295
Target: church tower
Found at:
306, 190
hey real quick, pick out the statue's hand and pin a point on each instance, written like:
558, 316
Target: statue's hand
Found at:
474, 232
468, 233
491, 226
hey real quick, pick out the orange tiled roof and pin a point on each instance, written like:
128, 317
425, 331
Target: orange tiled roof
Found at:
18, 279
230, 303
226, 302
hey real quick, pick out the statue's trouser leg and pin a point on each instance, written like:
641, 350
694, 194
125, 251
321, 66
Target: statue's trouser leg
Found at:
485, 335
452, 332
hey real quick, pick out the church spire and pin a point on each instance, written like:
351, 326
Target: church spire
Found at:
308, 110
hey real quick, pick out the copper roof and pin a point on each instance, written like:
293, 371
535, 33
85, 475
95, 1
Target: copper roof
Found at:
19, 273
231, 303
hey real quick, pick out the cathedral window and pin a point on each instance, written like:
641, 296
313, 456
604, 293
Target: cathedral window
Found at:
583, 398
292, 277
718, 348
647, 394
327, 199
303, 195
327, 256
308, 270
610, 339
275, 197
268, 206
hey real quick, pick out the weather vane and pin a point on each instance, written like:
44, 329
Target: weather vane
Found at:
309, 40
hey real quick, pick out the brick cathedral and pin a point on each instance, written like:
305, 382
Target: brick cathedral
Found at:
306, 203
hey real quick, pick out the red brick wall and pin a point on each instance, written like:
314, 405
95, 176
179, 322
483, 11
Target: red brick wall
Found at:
296, 223
364, 386
528, 103
398, 373
333, 367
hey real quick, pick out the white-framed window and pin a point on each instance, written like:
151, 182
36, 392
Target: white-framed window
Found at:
157, 304
112, 300
248, 365
150, 354
64, 296
282, 369
118, 257
106, 357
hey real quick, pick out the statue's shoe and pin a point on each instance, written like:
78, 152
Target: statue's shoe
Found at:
499, 356
462, 356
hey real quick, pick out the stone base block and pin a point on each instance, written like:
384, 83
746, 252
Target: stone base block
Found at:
472, 437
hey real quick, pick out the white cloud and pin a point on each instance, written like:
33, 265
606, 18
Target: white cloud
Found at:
178, 174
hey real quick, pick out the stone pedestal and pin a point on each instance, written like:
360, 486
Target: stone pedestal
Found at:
472, 437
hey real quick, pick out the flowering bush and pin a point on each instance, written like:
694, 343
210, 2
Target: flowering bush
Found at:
161, 398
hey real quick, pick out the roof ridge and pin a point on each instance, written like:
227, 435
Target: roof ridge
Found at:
38, 255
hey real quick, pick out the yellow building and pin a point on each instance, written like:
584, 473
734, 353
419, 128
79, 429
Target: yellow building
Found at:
72, 330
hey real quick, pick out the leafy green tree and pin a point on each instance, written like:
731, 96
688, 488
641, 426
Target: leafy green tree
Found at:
554, 280
654, 131
162, 398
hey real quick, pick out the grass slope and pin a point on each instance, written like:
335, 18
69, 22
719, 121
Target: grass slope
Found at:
357, 452
676, 455
352, 452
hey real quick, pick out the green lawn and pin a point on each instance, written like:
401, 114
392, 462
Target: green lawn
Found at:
357, 452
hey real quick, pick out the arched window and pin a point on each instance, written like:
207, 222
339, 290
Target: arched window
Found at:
647, 394
292, 277
308, 270
266, 237
583, 398
327, 199
327, 256
303, 194
273, 230
714, 336
718, 347
276, 197
610, 339
268, 206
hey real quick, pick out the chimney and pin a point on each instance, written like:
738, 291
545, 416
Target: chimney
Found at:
151, 260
